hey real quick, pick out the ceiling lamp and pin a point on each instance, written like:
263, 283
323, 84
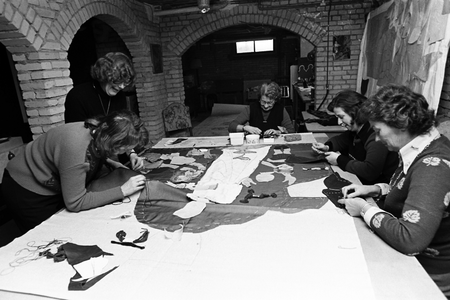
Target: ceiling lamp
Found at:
203, 5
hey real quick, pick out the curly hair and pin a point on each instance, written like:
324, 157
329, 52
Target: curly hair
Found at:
399, 107
114, 67
350, 102
270, 90
116, 130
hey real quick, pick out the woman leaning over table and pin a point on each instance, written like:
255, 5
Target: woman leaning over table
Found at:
61, 168
268, 116
356, 150
415, 216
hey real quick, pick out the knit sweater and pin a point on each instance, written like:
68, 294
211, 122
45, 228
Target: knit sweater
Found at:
363, 156
62, 161
245, 115
415, 219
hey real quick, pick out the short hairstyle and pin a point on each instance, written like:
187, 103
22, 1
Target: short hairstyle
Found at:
118, 129
350, 102
270, 90
399, 107
114, 67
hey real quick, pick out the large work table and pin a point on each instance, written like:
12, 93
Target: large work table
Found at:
284, 253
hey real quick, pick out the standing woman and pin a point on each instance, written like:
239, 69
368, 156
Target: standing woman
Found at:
61, 168
356, 150
415, 216
268, 116
111, 74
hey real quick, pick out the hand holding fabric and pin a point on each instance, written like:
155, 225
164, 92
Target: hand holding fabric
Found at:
252, 130
134, 184
272, 132
136, 161
332, 157
353, 205
358, 190
320, 148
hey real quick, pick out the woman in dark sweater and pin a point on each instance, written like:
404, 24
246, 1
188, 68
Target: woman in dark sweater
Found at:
415, 217
356, 150
268, 116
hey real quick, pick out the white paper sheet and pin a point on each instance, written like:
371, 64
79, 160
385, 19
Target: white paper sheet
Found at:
276, 256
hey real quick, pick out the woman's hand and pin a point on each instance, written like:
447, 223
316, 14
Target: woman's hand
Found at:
332, 157
251, 129
133, 185
136, 161
320, 148
272, 132
358, 190
353, 205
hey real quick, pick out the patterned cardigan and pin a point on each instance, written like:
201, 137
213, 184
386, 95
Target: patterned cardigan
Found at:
415, 219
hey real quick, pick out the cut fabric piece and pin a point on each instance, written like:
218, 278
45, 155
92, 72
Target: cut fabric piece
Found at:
336, 182
85, 284
334, 196
306, 158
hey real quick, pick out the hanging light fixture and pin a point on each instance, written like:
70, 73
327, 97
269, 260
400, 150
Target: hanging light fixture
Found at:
203, 5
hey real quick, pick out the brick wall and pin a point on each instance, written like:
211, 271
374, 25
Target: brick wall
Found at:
179, 32
38, 34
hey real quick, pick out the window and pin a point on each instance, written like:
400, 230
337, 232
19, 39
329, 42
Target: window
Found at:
254, 46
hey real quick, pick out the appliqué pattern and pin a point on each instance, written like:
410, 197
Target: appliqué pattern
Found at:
377, 220
400, 183
432, 161
412, 216
447, 199
446, 162
430, 252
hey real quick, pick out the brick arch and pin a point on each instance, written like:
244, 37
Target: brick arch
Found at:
39, 50
20, 35
312, 32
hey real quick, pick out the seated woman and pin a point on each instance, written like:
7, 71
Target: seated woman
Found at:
356, 150
268, 116
415, 217
61, 168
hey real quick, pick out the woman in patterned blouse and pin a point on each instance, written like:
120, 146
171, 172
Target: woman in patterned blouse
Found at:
415, 216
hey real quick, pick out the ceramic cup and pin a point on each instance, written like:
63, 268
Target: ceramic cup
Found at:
252, 139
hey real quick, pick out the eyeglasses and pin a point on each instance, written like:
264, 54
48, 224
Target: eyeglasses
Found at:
268, 103
121, 85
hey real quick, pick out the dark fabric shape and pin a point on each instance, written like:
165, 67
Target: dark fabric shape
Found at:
335, 182
76, 254
157, 210
334, 196
306, 158
85, 284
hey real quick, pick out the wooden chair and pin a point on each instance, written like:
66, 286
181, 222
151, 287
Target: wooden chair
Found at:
176, 119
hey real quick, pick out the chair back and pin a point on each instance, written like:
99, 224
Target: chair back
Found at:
176, 117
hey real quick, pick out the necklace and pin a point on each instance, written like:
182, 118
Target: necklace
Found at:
103, 107
105, 112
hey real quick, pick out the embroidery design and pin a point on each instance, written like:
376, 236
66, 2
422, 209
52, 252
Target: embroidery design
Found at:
432, 161
400, 183
412, 216
430, 252
376, 221
447, 199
